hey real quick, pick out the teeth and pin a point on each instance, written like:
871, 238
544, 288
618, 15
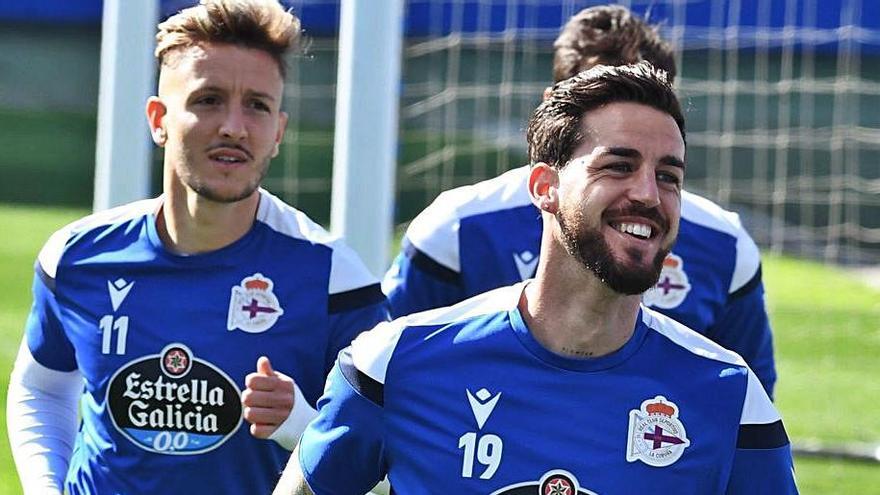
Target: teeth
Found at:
228, 159
636, 229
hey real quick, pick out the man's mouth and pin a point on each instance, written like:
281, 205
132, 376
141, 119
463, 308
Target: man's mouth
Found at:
638, 222
228, 154
639, 230
228, 159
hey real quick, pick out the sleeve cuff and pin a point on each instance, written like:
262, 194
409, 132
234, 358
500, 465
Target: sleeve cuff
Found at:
287, 435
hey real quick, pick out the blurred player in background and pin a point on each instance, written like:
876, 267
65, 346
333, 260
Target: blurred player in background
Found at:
153, 316
475, 238
564, 383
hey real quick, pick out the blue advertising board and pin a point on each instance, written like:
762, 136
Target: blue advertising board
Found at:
829, 20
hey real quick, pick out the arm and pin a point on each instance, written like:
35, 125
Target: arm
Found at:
274, 404
762, 461
744, 327
346, 437
292, 481
42, 422
416, 282
44, 392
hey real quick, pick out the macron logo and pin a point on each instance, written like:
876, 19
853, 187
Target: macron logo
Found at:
482, 405
526, 262
119, 289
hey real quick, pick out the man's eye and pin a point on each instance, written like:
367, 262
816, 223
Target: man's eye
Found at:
259, 105
668, 178
207, 100
620, 167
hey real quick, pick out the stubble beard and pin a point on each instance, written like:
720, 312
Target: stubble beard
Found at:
591, 249
212, 194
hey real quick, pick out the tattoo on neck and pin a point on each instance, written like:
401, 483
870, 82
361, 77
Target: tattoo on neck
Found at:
576, 352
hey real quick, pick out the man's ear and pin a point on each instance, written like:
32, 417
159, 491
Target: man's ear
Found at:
547, 91
156, 111
544, 187
282, 125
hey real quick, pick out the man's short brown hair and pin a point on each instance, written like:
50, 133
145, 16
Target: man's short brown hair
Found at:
259, 24
555, 131
608, 35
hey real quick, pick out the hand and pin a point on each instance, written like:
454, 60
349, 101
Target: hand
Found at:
267, 400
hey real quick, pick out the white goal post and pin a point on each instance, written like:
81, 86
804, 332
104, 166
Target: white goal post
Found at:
365, 146
123, 149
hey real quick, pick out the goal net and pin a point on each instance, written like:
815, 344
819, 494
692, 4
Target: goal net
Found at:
781, 102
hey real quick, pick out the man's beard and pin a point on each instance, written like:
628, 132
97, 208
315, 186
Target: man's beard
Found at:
592, 250
204, 190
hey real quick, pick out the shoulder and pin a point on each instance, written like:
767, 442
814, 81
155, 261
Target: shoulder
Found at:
756, 404
288, 221
688, 339
757, 408
59, 242
435, 230
703, 212
372, 351
347, 271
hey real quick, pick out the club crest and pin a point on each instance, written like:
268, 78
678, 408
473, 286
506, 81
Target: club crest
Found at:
672, 287
656, 435
253, 308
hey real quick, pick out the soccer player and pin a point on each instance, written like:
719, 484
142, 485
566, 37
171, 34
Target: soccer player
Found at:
564, 383
487, 235
153, 316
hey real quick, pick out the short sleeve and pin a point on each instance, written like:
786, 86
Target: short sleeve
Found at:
347, 436
44, 331
762, 462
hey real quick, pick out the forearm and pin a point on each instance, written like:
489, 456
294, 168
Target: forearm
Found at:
292, 481
42, 422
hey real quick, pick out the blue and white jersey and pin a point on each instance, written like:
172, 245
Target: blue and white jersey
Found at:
479, 237
465, 400
164, 342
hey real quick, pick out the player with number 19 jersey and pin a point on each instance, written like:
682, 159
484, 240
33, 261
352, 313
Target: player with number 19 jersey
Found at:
465, 400
162, 342
488, 235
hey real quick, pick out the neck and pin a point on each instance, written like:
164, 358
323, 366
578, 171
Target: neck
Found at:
573, 313
191, 224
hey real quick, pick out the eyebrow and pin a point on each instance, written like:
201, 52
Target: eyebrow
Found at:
218, 89
669, 160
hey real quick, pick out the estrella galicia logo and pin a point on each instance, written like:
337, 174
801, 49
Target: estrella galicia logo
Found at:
555, 482
174, 403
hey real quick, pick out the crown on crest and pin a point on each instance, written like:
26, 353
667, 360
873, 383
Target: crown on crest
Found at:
660, 407
256, 283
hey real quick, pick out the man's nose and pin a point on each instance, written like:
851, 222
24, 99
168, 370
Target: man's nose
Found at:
233, 126
644, 189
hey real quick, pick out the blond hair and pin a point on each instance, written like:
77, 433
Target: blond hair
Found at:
259, 24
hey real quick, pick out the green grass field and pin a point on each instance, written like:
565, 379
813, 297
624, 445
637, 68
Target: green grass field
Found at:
827, 327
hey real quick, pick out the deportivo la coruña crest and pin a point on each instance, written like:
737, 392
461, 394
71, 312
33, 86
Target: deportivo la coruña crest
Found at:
672, 287
253, 307
656, 436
